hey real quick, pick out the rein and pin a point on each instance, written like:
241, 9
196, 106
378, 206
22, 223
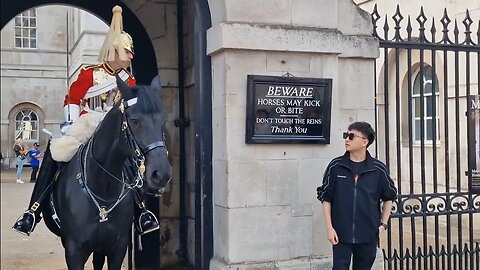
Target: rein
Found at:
137, 168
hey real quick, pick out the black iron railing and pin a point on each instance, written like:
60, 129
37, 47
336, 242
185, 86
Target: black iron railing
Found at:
423, 78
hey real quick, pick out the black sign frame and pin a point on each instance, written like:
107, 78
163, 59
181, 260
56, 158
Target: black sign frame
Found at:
318, 87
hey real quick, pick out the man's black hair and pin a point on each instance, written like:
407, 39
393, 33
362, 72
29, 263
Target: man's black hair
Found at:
364, 128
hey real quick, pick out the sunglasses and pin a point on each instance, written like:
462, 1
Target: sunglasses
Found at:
350, 136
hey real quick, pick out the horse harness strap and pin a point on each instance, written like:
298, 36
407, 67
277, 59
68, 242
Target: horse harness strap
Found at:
152, 146
129, 135
139, 152
137, 160
103, 211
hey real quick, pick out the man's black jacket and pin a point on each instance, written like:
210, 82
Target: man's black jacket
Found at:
356, 207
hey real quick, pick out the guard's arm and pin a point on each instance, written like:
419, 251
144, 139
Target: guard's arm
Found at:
79, 88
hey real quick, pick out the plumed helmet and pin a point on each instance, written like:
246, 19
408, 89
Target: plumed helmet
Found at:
117, 40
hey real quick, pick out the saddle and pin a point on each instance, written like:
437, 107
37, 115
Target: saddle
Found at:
49, 209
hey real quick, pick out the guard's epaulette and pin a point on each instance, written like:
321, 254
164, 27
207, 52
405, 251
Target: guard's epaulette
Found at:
89, 67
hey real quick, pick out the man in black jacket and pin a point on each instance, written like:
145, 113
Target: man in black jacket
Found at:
353, 186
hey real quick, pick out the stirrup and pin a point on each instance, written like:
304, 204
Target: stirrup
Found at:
153, 228
28, 231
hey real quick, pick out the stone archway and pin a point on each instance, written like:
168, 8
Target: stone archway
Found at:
144, 62
148, 43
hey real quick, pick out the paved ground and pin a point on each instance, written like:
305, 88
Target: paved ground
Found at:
40, 251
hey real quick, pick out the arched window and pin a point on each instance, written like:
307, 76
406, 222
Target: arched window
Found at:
430, 112
26, 125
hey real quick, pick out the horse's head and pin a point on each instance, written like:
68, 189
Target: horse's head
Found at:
145, 125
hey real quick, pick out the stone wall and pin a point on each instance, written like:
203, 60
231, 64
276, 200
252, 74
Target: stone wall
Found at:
266, 214
33, 78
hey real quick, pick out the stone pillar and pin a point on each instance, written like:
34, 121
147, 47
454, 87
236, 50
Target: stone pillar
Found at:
266, 214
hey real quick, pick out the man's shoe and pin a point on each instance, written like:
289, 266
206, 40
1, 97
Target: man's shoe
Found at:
26, 223
19, 181
147, 222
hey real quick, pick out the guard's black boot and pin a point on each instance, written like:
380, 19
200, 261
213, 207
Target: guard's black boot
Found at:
26, 223
147, 222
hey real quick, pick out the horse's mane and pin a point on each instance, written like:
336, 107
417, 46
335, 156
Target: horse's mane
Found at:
149, 100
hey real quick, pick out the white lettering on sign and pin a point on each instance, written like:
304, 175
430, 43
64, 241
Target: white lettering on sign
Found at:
270, 102
475, 105
311, 103
289, 91
264, 120
275, 129
294, 102
300, 130
311, 121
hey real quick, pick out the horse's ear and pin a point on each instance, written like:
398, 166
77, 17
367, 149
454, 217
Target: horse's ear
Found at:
124, 88
156, 84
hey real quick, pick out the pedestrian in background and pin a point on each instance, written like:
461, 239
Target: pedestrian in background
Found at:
35, 157
353, 186
21, 153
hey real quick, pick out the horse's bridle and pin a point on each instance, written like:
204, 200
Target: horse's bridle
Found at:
137, 168
138, 157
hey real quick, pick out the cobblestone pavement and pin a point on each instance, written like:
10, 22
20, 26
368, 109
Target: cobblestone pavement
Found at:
42, 250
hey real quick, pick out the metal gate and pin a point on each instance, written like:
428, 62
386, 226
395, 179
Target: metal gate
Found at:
423, 79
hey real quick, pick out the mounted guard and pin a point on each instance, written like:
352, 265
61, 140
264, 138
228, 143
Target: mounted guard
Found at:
96, 88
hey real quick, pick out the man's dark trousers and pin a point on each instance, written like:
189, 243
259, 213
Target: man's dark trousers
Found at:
363, 256
33, 176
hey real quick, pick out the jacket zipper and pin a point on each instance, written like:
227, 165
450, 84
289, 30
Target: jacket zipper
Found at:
356, 178
355, 198
354, 210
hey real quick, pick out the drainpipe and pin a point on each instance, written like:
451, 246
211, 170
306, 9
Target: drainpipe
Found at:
181, 123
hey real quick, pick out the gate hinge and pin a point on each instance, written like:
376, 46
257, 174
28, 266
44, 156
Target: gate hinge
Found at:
182, 122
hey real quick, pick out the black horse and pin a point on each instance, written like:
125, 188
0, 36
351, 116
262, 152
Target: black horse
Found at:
94, 196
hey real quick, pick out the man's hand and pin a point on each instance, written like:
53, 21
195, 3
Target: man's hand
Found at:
383, 227
332, 236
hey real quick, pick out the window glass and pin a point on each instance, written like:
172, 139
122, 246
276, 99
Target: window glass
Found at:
416, 102
26, 125
425, 81
25, 29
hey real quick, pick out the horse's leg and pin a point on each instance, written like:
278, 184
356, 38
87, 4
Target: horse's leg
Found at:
98, 260
117, 254
75, 256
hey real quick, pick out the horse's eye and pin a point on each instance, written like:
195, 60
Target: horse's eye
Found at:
134, 122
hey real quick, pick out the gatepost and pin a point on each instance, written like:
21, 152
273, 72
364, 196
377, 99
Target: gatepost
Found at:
266, 214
